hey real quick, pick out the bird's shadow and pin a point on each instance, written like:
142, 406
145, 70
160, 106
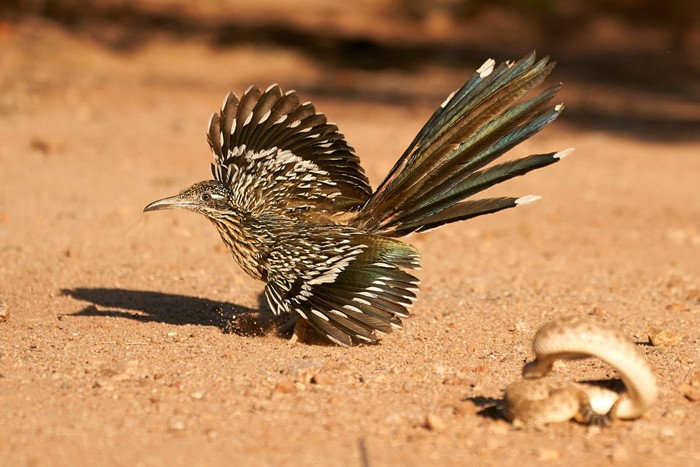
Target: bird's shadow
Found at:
147, 306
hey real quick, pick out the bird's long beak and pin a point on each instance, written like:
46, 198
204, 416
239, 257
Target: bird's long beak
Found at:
173, 202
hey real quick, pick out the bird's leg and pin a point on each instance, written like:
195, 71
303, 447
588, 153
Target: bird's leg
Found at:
289, 325
300, 329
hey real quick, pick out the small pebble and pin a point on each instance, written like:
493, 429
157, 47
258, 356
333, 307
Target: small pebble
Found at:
522, 326
453, 380
434, 422
677, 307
690, 392
4, 311
695, 379
663, 338
40, 145
548, 454
680, 413
499, 429
620, 454
323, 379
285, 387
304, 371
176, 424
691, 389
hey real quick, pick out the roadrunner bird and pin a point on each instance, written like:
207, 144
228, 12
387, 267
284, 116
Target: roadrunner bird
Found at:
293, 205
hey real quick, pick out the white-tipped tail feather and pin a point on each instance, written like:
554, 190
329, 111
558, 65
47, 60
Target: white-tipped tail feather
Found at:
486, 68
527, 199
563, 153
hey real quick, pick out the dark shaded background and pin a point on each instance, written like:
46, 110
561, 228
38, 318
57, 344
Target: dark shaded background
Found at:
647, 50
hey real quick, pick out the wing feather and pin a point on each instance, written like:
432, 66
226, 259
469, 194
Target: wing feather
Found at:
282, 156
348, 285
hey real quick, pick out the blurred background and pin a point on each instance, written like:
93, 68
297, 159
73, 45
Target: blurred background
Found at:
630, 66
119, 346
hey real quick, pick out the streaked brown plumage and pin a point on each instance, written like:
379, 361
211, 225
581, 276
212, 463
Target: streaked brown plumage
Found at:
296, 210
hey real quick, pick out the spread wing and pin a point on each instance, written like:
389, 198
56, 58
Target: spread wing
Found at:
280, 155
348, 285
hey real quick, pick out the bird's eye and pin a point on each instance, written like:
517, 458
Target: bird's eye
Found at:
205, 197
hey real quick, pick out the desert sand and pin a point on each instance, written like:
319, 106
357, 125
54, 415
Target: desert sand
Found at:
133, 339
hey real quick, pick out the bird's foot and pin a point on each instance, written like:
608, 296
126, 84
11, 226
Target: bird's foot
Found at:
300, 328
289, 325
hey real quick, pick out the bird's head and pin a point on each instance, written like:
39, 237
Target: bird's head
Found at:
208, 198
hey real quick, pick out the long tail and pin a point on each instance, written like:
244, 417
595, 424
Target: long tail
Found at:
446, 162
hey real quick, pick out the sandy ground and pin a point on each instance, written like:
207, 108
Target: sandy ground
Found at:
134, 339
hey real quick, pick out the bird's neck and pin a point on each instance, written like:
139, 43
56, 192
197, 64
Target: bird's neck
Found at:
243, 240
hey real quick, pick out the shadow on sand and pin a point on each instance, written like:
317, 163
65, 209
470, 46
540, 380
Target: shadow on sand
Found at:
147, 306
